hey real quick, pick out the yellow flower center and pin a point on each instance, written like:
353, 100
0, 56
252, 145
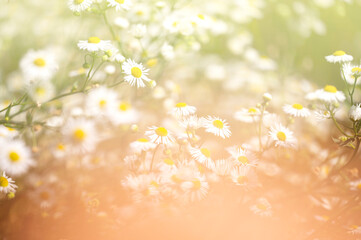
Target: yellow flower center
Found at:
354, 226
196, 184
93, 40
330, 89
152, 62
243, 159
142, 140
206, 152
261, 206
356, 70
242, 179
176, 179
136, 72
252, 110
168, 161
359, 186
40, 62
14, 157
40, 91
102, 103
124, 106
181, 105
339, 53
218, 124
281, 136
79, 135
154, 184
120, 1
4, 182
201, 16
161, 131
78, 1
297, 106
95, 160
61, 147
44, 196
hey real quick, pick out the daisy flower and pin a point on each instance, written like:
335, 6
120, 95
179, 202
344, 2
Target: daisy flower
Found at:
80, 133
38, 65
354, 229
355, 112
217, 126
202, 155
144, 186
142, 144
119, 4
15, 157
123, 113
321, 115
350, 72
247, 115
339, 57
100, 101
6, 132
262, 207
328, 94
136, 73
356, 185
244, 158
94, 44
195, 189
41, 91
7, 184
167, 164
282, 136
296, 110
182, 110
79, 5
244, 176
44, 196
160, 135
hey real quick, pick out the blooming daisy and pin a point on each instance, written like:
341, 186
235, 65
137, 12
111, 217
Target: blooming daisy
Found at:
262, 207
350, 73
202, 155
244, 176
142, 144
118, 4
80, 133
41, 91
101, 101
217, 126
79, 5
144, 186
244, 158
136, 73
160, 135
195, 189
354, 229
356, 185
339, 57
328, 94
44, 196
7, 184
6, 132
123, 113
247, 115
38, 65
94, 44
321, 115
15, 157
355, 112
296, 110
282, 136
182, 110
167, 164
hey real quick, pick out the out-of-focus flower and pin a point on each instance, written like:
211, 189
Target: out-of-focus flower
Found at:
94, 44
79, 5
355, 112
296, 110
119, 4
